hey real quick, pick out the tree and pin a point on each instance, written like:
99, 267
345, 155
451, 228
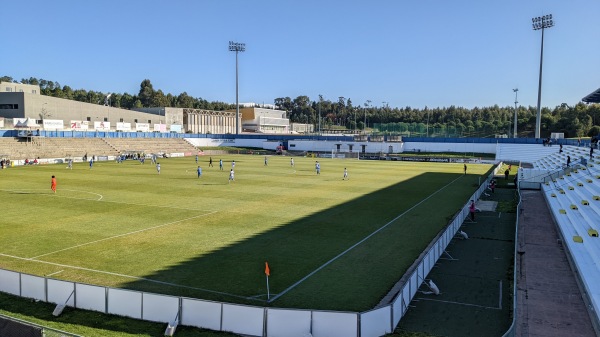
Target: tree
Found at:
146, 93
185, 101
158, 100
594, 131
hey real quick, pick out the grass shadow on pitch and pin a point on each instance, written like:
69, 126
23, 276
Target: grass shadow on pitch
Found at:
297, 248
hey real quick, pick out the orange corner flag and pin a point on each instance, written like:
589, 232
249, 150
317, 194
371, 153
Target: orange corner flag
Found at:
267, 270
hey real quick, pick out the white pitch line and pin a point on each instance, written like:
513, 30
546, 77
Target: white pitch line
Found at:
156, 206
121, 235
130, 277
459, 303
58, 272
358, 243
100, 195
114, 202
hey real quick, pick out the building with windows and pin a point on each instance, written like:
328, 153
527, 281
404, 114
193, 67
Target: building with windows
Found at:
19, 87
23, 101
264, 120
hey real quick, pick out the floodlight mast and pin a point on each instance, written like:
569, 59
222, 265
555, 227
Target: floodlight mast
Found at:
516, 90
541, 22
237, 47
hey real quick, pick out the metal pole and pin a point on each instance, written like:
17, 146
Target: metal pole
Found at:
237, 103
237, 47
542, 23
427, 123
538, 117
516, 90
320, 99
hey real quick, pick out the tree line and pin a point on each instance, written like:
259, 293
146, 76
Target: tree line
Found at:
574, 121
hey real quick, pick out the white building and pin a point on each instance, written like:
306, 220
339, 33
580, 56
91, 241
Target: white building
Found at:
264, 120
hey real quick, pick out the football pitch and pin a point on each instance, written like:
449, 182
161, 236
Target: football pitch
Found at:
330, 243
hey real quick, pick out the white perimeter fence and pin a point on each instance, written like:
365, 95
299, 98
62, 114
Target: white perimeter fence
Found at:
240, 319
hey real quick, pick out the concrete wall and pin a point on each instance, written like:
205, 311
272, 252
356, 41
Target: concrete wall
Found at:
31, 106
19, 87
167, 115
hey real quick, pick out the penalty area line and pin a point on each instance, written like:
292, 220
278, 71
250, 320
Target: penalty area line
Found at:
358, 243
122, 235
131, 277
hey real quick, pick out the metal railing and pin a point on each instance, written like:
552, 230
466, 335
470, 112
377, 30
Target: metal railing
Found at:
46, 331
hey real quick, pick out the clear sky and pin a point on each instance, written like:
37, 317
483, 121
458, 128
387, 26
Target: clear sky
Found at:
408, 53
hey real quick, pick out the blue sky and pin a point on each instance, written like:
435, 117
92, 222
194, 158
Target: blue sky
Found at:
407, 53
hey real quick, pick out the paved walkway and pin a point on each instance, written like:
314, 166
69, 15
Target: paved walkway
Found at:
549, 301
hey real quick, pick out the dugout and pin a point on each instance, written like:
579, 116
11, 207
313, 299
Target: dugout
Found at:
132, 154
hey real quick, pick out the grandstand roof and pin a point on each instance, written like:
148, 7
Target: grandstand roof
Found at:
593, 97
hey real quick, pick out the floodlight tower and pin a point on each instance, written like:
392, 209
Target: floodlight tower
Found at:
516, 90
237, 47
320, 100
541, 22
367, 104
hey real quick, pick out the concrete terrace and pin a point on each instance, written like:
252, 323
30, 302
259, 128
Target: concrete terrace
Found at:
549, 303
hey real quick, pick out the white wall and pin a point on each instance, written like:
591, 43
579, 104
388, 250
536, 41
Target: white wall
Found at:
227, 142
328, 146
450, 147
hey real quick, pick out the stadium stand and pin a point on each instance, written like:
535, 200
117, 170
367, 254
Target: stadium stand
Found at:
574, 200
151, 145
54, 147
528, 153
21, 148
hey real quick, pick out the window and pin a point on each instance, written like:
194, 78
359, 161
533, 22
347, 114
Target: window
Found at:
89, 119
149, 121
135, 120
34, 91
8, 89
106, 119
9, 106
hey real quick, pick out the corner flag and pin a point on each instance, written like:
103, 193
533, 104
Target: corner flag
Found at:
268, 272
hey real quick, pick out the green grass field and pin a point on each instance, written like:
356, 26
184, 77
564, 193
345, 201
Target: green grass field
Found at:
123, 225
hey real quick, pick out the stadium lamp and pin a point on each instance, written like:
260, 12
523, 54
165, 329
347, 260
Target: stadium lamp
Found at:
237, 48
541, 22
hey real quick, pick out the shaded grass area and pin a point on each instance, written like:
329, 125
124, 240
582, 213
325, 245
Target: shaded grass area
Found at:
476, 288
89, 323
